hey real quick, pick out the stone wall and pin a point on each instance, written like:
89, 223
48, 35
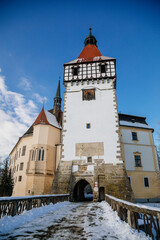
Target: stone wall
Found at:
112, 178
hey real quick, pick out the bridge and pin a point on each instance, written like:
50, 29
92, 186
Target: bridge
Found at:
54, 217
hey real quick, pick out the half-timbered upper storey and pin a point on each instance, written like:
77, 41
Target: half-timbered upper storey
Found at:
90, 64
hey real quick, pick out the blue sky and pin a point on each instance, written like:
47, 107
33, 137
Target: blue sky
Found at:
38, 37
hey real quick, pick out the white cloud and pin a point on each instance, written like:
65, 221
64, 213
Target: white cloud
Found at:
39, 98
16, 115
25, 84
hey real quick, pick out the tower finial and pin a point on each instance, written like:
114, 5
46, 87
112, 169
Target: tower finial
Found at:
90, 31
90, 39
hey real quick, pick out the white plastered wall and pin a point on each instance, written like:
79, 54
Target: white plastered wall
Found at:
100, 113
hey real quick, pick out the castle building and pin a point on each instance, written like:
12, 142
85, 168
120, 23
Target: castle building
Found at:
98, 150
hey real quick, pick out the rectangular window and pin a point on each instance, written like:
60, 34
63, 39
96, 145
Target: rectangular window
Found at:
19, 178
39, 155
23, 150
137, 161
146, 181
75, 71
21, 166
88, 95
89, 159
134, 136
103, 68
88, 125
42, 154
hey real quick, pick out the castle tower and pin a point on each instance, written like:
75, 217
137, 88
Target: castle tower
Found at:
91, 149
57, 104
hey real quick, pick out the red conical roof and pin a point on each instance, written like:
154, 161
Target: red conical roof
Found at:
89, 52
41, 118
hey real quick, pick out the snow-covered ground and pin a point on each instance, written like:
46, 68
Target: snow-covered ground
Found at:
85, 220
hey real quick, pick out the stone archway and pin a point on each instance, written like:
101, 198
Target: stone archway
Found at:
82, 191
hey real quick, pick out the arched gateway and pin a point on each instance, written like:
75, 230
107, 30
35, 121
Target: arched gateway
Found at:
82, 191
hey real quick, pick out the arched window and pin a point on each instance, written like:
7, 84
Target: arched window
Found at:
39, 155
42, 154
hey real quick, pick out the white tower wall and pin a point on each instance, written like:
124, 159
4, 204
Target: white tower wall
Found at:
101, 140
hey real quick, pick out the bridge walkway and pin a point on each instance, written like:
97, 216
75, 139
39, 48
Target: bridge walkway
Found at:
74, 221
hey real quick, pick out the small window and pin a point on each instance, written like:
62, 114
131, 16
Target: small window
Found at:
129, 178
23, 150
88, 94
88, 125
75, 71
19, 178
137, 161
42, 154
21, 166
134, 136
39, 155
89, 159
103, 68
146, 181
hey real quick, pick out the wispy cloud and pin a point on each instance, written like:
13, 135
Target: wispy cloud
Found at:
16, 115
39, 98
25, 84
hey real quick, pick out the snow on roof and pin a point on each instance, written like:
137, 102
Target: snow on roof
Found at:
98, 58
46, 117
52, 119
134, 124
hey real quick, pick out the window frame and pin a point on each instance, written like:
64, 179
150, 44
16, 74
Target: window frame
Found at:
104, 67
23, 150
39, 155
89, 159
20, 178
136, 160
21, 166
88, 125
145, 182
134, 136
88, 92
75, 68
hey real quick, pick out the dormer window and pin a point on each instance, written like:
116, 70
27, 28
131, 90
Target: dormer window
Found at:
75, 71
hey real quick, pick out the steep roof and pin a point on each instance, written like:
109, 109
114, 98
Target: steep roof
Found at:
58, 93
90, 52
41, 118
46, 117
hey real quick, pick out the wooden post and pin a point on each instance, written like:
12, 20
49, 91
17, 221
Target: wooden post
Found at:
131, 219
29, 204
15, 208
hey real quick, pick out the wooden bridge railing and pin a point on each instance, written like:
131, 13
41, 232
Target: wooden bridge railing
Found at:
16, 205
138, 216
